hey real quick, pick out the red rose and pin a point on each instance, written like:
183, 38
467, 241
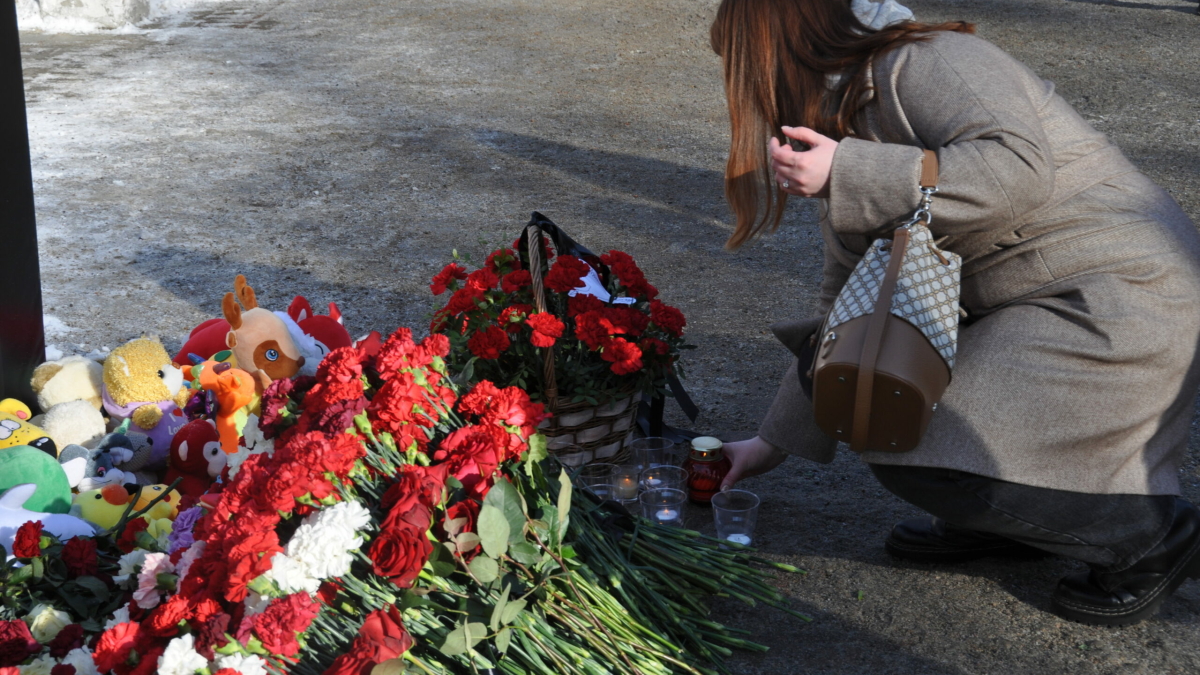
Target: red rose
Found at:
472, 455
446, 278
283, 619
567, 274
28, 542
16, 643
417, 485
399, 553
70, 637
79, 555
515, 281
668, 318
488, 343
350, 663
624, 356
115, 645
128, 539
382, 636
546, 329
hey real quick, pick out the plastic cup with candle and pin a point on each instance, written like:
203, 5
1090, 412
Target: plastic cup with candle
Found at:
650, 452
664, 506
735, 513
664, 477
596, 474
625, 478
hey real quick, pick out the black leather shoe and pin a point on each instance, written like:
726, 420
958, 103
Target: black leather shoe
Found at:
933, 540
1126, 597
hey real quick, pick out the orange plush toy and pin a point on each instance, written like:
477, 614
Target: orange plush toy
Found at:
237, 395
260, 340
196, 459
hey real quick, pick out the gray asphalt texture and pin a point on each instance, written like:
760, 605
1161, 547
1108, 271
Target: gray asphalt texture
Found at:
341, 150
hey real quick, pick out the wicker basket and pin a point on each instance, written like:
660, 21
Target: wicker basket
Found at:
578, 433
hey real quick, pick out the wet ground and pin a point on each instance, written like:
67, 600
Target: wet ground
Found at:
341, 150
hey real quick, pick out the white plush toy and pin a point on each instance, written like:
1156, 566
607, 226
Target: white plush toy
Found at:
72, 378
13, 515
74, 423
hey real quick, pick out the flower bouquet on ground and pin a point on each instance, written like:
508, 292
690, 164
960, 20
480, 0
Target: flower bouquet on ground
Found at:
385, 522
586, 337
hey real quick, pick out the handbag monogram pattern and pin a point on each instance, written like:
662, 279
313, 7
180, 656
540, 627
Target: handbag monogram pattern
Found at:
926, 291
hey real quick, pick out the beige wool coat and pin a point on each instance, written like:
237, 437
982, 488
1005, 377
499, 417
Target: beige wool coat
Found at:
1077, 367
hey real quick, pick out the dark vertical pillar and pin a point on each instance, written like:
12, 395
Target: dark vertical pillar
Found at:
22, 342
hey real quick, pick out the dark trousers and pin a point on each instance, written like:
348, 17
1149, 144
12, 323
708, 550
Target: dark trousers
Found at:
1110, 532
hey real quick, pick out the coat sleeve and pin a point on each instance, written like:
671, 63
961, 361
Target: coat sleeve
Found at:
789, 424
977, 108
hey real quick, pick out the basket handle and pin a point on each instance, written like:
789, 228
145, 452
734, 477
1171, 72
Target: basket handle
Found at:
537, 252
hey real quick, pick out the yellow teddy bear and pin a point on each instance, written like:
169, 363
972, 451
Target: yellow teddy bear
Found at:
143, 385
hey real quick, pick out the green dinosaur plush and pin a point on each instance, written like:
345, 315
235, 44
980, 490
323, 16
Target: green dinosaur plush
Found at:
24, 464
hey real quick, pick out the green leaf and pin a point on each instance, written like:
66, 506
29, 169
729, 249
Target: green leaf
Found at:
494, 529
463, 638
504, 496
484, 569
524, 553
511, 610
442, 561
564, 500
390, 667
467, 541
502, 640
537, 452
498, 610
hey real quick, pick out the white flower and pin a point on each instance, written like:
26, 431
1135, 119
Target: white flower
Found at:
246, 664
256, 604
45, 622
180, 658
256, 444
147, 594
119, 617
189, 556
324, 541
82, 658
40, 666
130, 562
291, 576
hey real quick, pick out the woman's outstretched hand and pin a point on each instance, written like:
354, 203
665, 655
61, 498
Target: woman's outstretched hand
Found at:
751, 458
804, 174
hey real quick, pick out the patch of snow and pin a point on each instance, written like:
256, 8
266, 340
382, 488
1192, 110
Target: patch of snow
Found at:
53, 353
54, 326
121, 17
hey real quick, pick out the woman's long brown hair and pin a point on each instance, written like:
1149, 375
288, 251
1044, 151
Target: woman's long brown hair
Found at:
777, 54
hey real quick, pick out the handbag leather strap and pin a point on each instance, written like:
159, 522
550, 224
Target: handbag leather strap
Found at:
873, 342
877, 326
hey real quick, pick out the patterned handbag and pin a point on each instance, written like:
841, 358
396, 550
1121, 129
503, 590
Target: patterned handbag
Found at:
888, 344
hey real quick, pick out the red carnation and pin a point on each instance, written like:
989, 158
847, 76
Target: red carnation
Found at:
63, 669
28, 542
70, 637
444, 279
515, 281
578, 304
283, 619
567, 274
482, 279
211, 634
654, 346
164, 620
594, 329
16, 643
488, 343
629, 274
546, 329
502, 259
79, 555
115, 645
624, 356
512, 316
464, 300
668, 318
128, 539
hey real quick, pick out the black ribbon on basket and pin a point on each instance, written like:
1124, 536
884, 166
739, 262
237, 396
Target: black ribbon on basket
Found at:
650, 414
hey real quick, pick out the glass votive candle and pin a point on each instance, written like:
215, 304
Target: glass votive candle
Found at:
605, 491
735, 513
596, 474
649, 452
625, 478
664, 476
664, 506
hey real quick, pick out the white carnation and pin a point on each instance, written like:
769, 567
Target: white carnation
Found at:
257, 604
119, 617
291, 576
256, 444
82, 658
324, 541
131, 562
180, 658
246, 664
40, 666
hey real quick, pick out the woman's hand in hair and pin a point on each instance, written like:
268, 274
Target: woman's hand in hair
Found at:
751, 458
806, 173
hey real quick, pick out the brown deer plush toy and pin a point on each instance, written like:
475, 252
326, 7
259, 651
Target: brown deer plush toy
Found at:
259, 339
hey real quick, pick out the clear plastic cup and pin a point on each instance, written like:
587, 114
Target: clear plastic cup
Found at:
735, 513
596, 474
625, 478
650, 452
663, 477
664, 507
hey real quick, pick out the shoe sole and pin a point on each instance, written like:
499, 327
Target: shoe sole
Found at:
1189, 568
925, 555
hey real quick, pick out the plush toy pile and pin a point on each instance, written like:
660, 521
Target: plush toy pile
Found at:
291, 501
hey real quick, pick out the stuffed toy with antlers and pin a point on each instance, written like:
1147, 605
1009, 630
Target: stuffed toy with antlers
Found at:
260, 340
